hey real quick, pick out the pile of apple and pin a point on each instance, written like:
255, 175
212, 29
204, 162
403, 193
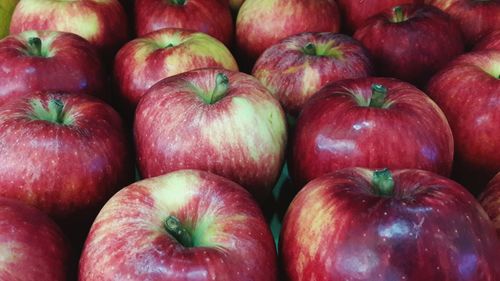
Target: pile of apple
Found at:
161, 140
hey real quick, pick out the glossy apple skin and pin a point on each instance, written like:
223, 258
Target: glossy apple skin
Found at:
334, 132
476, 18
294, 76
209, 16
467, 91
490, 200
241, 137
338, 228
128, 239
490, 41
102, 23
412, 50
33, 247
63, 170
144, 61
262, 23
73, 65
356, 12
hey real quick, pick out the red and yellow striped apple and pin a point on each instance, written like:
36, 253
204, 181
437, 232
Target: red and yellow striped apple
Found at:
298, 66
144, 61
185, 225
364, 225
215, 120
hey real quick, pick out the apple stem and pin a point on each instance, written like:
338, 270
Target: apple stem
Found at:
221, 86
36, 46
379, 93
309, 49
180, 233
56, 110
383, 183
178, 2
398, 14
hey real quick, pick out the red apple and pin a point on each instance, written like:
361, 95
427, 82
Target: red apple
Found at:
146, 60
490, 41
475, 17
216, 120
185, 225
356, 12
411, 42
209, 16
468, 92
490, 200
357, 224
298, 66
262, 23
32, 248
372, 123
102, 23
48, 60
62, 153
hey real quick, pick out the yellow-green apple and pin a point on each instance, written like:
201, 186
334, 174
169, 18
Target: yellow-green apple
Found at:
298, 66
32, 248
489, 41
365, 225
209, 16
6, 10
490, 200
411, 42
475, 17
356, 12
102, 22
468, 92
64, 153
216, 120
144, 61
48, 60
372, 123
262, 23
185, 225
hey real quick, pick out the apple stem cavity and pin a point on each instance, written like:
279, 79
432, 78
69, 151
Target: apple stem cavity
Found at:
53, 114
178, 2
35, 45
379, 93
310, 49
180, 233
221, 86
398, 14
383, 183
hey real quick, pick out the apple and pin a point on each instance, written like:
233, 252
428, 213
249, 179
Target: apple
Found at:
298, 66
48, 60
359, 224
102, 23
372, 123
356, 12
209, 16
144, 61
490, 200
468, 91
63, 153
6, 10
262, 23
185, 225
490, 41
411, 42
33, 248
475, 17
235, 4
216, 120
